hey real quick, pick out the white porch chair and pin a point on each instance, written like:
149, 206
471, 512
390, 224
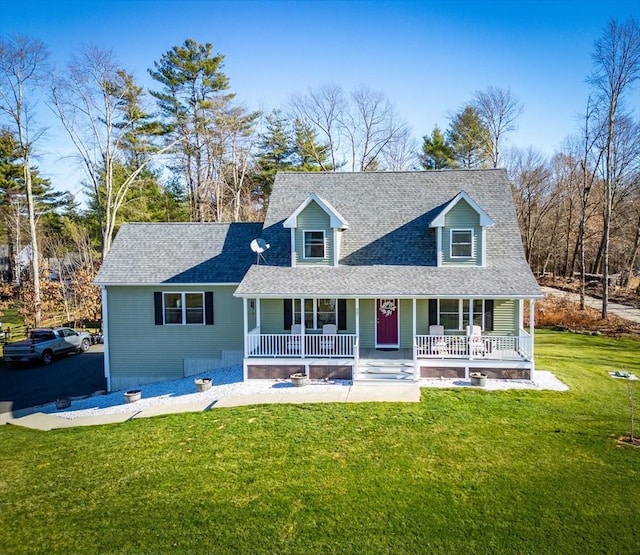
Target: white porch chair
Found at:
327, 344
438, 345
293, 342
474, 338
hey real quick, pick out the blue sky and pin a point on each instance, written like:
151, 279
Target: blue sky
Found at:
428, 57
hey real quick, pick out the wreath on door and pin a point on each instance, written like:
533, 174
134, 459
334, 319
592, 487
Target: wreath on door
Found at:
388, 307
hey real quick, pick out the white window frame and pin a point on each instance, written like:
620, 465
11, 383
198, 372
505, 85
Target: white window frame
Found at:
465, 317
304, 244
471, 243
183, 307
313, 312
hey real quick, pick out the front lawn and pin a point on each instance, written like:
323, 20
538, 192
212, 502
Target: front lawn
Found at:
464, 471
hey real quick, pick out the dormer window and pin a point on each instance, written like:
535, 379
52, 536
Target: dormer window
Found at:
314, 244
461, 243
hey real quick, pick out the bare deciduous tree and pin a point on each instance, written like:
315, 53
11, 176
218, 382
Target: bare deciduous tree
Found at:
498, 110
98, 104
23, 64
616, 66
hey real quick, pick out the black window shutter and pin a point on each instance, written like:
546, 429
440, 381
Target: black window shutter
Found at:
488, 315
157, 307
208, 308
288, 314
342, 314
433, 312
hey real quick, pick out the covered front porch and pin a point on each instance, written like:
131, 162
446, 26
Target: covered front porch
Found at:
386, 339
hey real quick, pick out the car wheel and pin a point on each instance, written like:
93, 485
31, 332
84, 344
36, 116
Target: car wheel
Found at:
47, 358
84, 346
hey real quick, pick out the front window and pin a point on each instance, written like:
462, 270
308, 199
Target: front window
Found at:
317, 312
456, 314
314, 244
450, 314
461, 243
183, 308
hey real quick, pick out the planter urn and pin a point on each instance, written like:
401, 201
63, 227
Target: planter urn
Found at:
478, 378
132, 395
203, 384
298, 379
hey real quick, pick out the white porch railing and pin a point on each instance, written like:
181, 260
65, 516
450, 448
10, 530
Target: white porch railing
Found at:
300, 346
497, 347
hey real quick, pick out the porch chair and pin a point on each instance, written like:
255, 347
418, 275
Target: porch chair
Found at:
438, 345
327, 344
293, 342
474, 338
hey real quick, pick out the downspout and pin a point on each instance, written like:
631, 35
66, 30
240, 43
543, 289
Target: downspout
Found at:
105, 336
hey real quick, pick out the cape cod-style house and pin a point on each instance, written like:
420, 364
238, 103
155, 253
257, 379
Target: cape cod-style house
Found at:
381, 276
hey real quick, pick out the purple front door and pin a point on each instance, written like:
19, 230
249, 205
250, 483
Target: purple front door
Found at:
387, 323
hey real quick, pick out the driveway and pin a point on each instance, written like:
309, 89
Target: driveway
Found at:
620, 310
68, 376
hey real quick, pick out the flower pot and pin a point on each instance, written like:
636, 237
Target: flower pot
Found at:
132, 395
298, 379
203, 384
478, 378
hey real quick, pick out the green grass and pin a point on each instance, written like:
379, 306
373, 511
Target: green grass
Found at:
464, 471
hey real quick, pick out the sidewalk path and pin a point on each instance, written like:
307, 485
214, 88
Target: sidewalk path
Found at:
620, 310
359, 393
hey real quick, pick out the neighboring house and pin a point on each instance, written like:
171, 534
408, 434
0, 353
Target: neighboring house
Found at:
381, 275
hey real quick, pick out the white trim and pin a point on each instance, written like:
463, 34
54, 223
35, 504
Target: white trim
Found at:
245, 330
472, 244
314, 311
483, 239
439, 246
336, 220
397, 311
304, 244
183, 309
105, 337
389, 296
336, 247
485, 220
167, 284
294, 262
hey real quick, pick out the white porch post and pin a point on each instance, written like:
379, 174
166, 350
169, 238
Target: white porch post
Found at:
258, 323
245, 325
531, 331
105, 337
302, 328
520, 314
356, 357
416, 371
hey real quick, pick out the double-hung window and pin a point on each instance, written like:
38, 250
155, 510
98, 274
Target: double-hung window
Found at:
457, 314
317, 312
461, 243
183, 308
314, 244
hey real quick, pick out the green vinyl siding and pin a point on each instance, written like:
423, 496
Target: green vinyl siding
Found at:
138, 347
314, 218
505, 317
367, 323
462, 216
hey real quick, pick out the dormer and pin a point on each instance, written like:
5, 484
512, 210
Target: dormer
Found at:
461, 232
316, 231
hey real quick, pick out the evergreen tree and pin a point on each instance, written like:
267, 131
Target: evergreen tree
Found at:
469, 138
437, 152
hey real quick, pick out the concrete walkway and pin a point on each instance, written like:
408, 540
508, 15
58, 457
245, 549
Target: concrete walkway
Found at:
620, 310
409, 393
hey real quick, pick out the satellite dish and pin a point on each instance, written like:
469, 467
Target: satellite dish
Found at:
258, 246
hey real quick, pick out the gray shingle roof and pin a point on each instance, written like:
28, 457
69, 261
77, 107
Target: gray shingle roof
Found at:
389, 248
181, 253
